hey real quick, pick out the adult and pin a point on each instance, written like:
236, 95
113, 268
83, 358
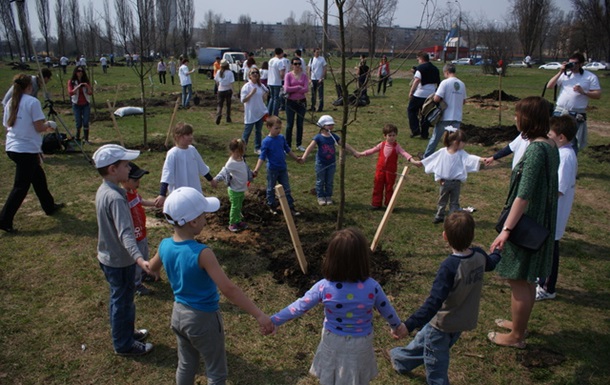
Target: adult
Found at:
253, 95
172, 69
224, 80
424, 84
185, 81
47, 62
63, 63
296, 86
577, 87
383, 73
298, 53
533, 192
80, 92
104, 64
277, 71
363, 75
82, 61
316, 71
24, 121
528, 61
161, 70
47, 75
216, 68
248, 63
453, 92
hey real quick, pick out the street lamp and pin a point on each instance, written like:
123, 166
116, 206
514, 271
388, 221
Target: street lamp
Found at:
457, 49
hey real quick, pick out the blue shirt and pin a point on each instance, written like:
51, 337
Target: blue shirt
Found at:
274, 150
191, 284
326, 148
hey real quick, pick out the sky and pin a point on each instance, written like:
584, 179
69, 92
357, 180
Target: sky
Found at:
408, 13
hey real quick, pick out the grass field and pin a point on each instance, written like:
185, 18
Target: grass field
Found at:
54, 310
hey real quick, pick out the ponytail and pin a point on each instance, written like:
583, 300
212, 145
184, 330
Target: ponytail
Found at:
20, 83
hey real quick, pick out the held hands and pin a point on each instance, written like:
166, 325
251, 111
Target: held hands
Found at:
266, 327
301, 160
214, 183
487, 161
159, 201
400, 332
144, 265
499, 242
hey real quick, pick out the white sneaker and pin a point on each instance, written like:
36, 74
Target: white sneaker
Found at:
322, 201
542, 294
257, 152
329, 201
301, 148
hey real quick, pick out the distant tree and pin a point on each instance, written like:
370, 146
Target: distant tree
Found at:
108, 28
60, 12
9, 28
243, 34
595, 17
74, 22
375, 14
500, 42
292, 31
165, 16
91, 32
210, 26
44, 21
532, 20
124, 24
184, 25
24, 25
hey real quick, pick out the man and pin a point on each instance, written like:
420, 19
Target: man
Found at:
453, 92
277, 70
577, 87
104, 63
424, 84
63, 63
298, 53
47, 75
316, 71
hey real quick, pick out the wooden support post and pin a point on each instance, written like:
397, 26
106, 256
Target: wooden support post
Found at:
116, 127
279, 191
171, 121
388, 211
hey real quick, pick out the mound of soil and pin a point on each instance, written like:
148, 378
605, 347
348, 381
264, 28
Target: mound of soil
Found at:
488, 136
495, 95
600, 153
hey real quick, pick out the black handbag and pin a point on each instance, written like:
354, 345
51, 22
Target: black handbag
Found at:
527, 233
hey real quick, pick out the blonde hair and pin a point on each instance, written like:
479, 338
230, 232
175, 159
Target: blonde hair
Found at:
20, 83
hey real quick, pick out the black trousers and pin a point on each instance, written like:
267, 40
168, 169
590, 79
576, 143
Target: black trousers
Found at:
29, 172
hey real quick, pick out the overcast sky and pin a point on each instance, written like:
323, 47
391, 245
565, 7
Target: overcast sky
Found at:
408, 13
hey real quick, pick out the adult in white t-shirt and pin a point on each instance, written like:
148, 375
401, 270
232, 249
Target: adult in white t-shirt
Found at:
316, 71
185, 81
25, 121
453, 92
277, 70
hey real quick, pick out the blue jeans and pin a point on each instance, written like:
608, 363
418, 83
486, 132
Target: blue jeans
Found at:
429, 347
273, 178
437, 134
122, 307
81, 117
325, 176
317, 89
298, 108
187, 92
258, 136
274, 100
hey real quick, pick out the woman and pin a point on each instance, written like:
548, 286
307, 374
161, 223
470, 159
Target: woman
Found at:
172, 69
296, 86
533, 192
24, 121
224, 79
185, 81
80, 91
161, 70
253, 96
383, 74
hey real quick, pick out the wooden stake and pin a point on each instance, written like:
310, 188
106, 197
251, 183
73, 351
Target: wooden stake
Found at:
388, 211
116, 127
171, 121
279, 191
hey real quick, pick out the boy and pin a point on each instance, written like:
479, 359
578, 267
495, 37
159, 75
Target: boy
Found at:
274, 149
117, 249
452, 306
136, 205
563, 130
195, 276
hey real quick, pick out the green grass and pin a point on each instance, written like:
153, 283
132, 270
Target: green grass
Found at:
55, 298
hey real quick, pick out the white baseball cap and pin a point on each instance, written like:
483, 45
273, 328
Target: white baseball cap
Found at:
326, 120
111, 153
185, 204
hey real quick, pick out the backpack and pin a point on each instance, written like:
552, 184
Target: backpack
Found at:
53, 142
432, 112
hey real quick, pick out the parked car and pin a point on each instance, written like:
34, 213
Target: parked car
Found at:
463, 61
483, 62
550, 66
517, 64
595, 66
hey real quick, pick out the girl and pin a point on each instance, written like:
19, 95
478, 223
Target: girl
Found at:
387, 163
325, 160
264, 72
224, 79
450, 166
383, 74
237, 175
345, 354
80, 94
296, 86
253, 96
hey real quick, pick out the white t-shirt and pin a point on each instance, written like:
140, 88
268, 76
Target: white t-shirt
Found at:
518, 147
82, 62
63, 61
572, 100
235, 173
185, 77
568, 165
22, 136
316, 66
451, 166
275, 66
225, 83
103, 61
423, 91
453, 92
254, 108
182, 168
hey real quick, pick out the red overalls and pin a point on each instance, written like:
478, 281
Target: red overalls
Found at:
385, 175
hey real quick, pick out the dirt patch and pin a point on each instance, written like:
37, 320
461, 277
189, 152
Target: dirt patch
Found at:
600, 153
488, 136
494, 95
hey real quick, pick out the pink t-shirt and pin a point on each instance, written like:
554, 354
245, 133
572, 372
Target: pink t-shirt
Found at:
296, 89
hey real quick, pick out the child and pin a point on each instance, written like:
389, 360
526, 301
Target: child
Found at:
183, 165
517, 146
195, 277
117, 249
563, 130
345, 354
450, 166
138, 216
236, 174
274, 149
326, 163
387, 164
451, 308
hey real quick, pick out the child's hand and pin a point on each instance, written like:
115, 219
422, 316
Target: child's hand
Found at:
254, 173
301, 160
488, 161
400, 332
145, 265
417, 163
159, 201
266, 326
214, 183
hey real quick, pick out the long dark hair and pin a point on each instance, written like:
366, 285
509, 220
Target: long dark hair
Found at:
347, 258
83, 79
20, 83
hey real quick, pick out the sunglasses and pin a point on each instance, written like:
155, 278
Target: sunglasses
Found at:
254, 73
79, 70
296, 63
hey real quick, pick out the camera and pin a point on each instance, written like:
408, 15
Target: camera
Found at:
569, 65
